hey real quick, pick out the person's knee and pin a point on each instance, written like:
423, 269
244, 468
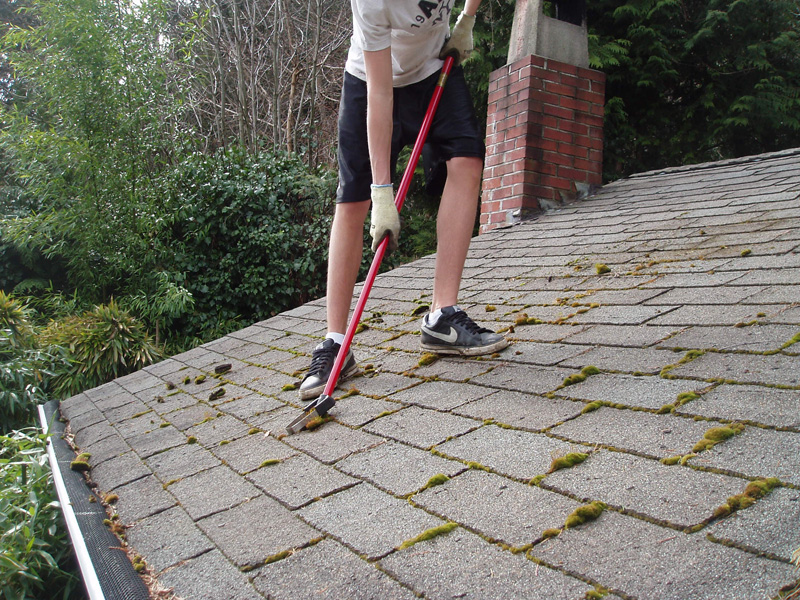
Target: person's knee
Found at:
466, 167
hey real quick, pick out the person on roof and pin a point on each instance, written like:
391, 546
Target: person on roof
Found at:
396, 53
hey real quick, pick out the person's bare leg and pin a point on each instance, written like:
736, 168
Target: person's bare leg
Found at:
456, 221
344, 259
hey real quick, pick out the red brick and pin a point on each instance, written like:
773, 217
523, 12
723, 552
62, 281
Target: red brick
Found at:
573, 127
577, 105
555, 158
573, 150
549, 133
559, 112
559, 89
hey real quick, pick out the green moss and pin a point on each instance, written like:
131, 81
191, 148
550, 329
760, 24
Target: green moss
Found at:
253, 431
438, 479
276, 557
84, 456
361, 327
685, 397
490, 308
719, 434
269, 462
199, 379
80, 465
111, 498
597, 594
601, 269
186, 380
550, 533
671, 460
224, 442
667, 408
584, 514
223, 368
169, 385
746, 252
565, 462
429, 534
795, 339
191, 440
591, 406
217, 394
477, 466
537, 480
428, 359
579, 377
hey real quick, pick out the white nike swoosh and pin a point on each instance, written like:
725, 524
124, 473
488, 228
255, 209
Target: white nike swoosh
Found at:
450, 338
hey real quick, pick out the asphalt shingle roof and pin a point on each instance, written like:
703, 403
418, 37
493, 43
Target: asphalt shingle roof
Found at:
693, 327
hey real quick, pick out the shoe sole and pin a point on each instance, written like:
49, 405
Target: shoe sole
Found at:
465, 350
315, 392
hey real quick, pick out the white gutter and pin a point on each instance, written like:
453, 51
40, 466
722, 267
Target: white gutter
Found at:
90, 579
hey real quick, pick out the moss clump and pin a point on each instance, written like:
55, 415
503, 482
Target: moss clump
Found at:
217, 394
80, 465
223, 368
276, 557
428, 359
537, 480
746, 252
591, 406
253, 431
550, 533
477, 466
667, 408
602, 269
361, 327
755, 490
490, 308
584, 514
715, 435
270, 462
524, 319
597, 594
199, 379
316, 422
138, 564
429, 534
565, 462
191, 440
111, 498
671, 460
186, 380
438, 479
578, 377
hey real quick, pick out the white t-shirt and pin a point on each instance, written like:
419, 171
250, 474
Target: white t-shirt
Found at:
415, 30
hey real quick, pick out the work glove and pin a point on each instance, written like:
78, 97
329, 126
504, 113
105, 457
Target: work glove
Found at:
460, 44
384, 220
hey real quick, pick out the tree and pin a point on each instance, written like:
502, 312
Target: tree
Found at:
696, 80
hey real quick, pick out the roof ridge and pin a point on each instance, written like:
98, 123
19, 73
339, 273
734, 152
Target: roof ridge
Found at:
720, 163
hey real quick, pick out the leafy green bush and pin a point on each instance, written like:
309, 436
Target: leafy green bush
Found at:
34, 548
102, 344
25, 370
248, 234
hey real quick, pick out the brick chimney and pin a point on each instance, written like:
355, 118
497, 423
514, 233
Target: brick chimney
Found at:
544, 131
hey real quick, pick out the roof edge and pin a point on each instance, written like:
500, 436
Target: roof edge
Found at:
717, 164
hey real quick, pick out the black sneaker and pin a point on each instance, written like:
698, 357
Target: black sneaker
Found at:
456, 333
322, 360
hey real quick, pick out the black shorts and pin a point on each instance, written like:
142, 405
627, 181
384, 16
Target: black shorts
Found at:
454, 130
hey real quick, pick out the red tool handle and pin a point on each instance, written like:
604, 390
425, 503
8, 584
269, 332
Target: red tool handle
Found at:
405, 183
